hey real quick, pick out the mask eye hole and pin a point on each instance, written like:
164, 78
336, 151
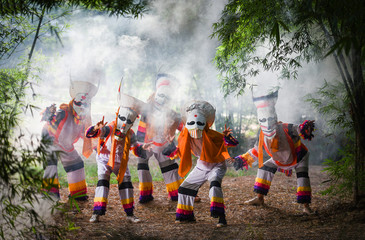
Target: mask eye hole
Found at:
122, 118
190, 123
262, 120
79, 104
271, 119
129, 121
200, 123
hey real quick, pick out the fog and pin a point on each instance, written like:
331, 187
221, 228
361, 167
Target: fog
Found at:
172, 37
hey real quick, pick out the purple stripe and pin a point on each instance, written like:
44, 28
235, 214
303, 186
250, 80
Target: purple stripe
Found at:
260, 190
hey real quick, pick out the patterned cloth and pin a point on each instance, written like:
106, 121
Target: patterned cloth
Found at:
63, 132
287, 153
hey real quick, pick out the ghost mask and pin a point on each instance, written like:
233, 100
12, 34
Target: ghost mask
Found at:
162, 97
164, 90
266, 114
195, 123
126, 118
198, 115
82, 92
81, 104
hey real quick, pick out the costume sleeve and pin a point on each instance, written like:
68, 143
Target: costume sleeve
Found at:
230, 141
136, 147
103, 132
170, 151
141, 132
306, 130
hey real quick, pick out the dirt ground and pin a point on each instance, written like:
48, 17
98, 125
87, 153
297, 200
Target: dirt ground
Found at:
280, 218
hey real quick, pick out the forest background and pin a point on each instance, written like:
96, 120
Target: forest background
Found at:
45, 44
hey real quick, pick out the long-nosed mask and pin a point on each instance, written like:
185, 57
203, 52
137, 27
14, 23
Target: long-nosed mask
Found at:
126, 118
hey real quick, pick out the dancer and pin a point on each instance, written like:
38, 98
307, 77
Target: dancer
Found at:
211, 149
158, 126
115, 141
62, 129
282, 142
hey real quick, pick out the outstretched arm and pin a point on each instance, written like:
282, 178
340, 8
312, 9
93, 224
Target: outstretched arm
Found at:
229, 140
94, 131
306, 129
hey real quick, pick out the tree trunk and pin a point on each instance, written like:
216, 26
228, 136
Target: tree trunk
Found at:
358, 117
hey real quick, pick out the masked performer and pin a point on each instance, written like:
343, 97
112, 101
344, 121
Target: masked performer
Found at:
211, 149
157, 126
115, 141
282, 142
62, 130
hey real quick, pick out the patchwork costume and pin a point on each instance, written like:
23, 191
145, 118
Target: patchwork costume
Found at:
211, 149
157, 125
282, 142
62, 130
115, 141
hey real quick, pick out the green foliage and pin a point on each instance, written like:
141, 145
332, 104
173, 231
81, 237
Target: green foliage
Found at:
286, 33
114, 7
341, 173
18, 156
333, 103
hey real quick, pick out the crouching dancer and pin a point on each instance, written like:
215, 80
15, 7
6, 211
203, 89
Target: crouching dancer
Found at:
211, 149
115, 141
282, 142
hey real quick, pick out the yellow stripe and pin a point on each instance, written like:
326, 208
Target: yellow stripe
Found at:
217, 200
100, 199
127, 201
263, 181
185, 207
297, 144
145, 186
77, 186
174, 185
50, 181
142, 124
304, 189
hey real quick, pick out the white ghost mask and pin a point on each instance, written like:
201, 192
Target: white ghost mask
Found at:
195, 123
266, 114
81, 104
126, 118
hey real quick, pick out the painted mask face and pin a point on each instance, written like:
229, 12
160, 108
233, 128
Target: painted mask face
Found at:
81, 104
162, 96
126, 118
195, 123
268, 121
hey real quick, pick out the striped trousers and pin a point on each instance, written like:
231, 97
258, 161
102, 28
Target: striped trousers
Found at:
74, 167
169, 169
125, 189
266, 173
188, 190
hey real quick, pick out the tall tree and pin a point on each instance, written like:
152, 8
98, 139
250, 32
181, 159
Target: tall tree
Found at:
297, 31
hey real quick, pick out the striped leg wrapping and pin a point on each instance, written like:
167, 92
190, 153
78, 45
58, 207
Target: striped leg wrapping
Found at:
51, 186
78, 190
76, 180
304, 190
172, 189
100, 205
262, 186
184, 212
126, 197
145, 191
185, 206
217, 207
